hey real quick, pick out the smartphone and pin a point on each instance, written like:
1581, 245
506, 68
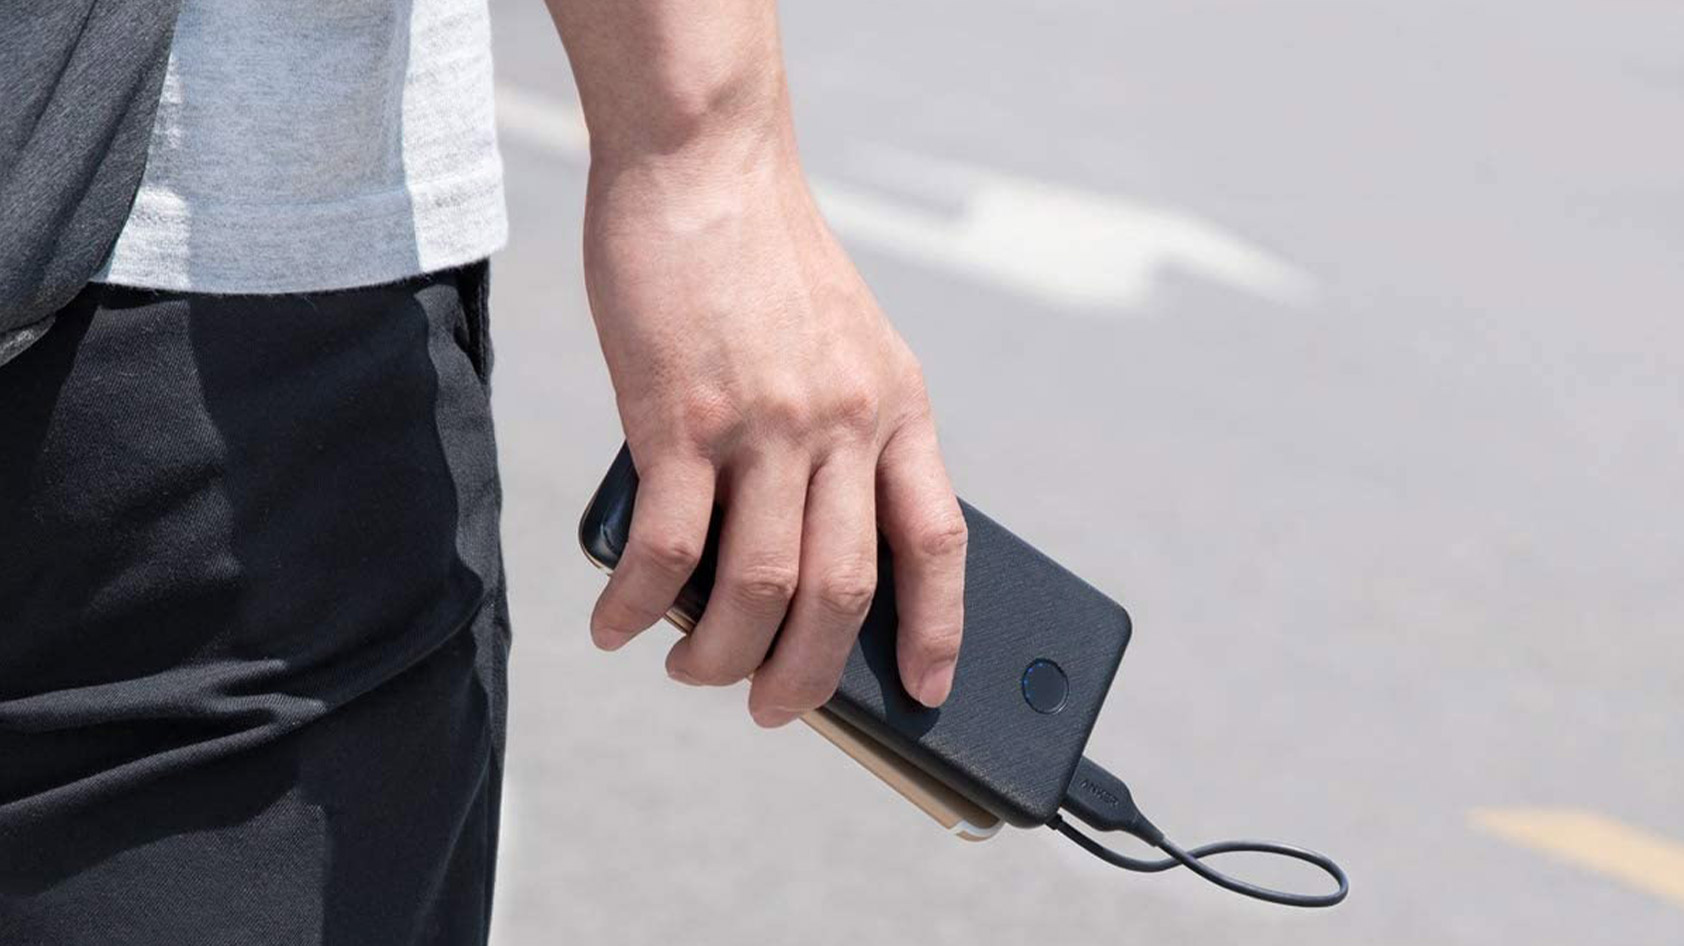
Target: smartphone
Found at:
1040, 651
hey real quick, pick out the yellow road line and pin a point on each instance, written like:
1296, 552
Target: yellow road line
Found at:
1590, 840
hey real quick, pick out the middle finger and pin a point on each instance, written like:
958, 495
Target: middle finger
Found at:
759, 565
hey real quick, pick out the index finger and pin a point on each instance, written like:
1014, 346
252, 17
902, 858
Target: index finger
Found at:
668, 532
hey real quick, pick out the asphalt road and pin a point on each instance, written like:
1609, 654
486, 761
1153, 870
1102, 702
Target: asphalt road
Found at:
1341, 341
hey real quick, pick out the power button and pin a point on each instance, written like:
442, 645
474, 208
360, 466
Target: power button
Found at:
1045, 687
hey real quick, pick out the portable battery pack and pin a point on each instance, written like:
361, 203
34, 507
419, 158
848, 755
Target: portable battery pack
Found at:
1040, 651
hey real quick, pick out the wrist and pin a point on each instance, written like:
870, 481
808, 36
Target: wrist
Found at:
694, 116
718, 173
698, 151
680, 91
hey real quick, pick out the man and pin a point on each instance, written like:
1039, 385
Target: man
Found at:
252, 621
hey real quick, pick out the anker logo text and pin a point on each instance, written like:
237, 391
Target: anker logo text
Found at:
1110, 798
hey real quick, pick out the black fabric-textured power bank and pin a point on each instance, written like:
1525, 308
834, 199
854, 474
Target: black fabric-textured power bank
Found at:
1040, 650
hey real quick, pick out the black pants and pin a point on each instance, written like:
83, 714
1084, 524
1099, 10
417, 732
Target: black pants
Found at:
253, 634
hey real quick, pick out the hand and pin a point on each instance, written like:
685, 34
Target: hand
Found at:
753, 368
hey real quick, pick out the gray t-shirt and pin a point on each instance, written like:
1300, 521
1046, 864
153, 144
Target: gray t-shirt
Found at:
315, 145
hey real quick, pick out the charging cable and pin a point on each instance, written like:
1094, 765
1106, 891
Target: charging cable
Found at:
1102, 800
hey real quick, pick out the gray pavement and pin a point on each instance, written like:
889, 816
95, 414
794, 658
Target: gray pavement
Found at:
1342, 342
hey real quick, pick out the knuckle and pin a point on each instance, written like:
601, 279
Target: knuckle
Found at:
786, 412
674, 555
765, 585
943, 536
708, 418
848, 590
857, 413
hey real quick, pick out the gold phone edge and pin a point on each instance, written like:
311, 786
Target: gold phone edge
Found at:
961, 817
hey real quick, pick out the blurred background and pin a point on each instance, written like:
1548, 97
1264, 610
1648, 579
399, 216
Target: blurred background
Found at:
1340, 341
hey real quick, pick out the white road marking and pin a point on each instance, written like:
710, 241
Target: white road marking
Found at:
1074, 249
554, 125
1630, 855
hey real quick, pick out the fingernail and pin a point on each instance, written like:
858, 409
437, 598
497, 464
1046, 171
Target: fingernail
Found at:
683, 677
935, 684
772, 718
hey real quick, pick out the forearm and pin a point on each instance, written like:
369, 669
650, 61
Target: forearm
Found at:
695, 84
